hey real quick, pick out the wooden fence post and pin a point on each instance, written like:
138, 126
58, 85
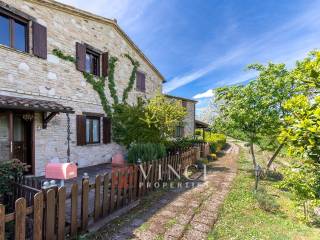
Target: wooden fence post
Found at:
84, 204
20, 219
125, 186
130, 185
97, 204
106, 198
119, 187
112, 192
74, 210
2, 222
38, 203
135, 182
50, 214
61, 200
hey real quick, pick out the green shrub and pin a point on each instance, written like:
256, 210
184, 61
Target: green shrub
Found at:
212, 156
266, 201
146, 152
217, 141
181, 144
198, 132
9, 170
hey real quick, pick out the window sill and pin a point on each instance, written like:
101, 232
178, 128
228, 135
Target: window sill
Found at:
140, 91
15, 50
93, 144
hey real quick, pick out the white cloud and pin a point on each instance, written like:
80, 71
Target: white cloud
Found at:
206, 94
283, 44
190, 77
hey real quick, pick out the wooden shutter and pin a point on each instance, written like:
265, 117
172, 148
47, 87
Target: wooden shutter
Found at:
106, 130
138, 80
184, 104
39, 37
105, 64
182, 131
81, 130
81, 57
143, 82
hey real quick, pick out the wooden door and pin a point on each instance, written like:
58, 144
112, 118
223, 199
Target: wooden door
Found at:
5, 153
19, 140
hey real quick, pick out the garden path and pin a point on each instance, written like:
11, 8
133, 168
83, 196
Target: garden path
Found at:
180, 213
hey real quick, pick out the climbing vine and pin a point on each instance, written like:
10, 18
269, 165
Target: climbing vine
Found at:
112, 84
60, 54
98, 83
132, 78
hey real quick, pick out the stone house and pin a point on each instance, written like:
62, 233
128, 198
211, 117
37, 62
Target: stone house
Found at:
48, 111
187, 127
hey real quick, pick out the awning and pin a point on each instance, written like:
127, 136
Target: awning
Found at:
8, 102
200, 124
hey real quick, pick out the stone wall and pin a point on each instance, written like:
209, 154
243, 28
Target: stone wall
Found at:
189, 121
24, 75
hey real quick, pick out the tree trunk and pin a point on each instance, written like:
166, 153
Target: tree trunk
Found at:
253, 156
275, 155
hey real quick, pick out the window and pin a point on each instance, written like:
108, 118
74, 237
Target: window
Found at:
89, 129
141, 81
13, 32
92, 62
179, 133
184, 104
92, 130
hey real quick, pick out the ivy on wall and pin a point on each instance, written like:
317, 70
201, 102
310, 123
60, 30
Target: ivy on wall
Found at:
60, 54
99, 83
112, 84
132, 79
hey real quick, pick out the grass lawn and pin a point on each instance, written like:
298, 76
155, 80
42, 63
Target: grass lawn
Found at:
242, 218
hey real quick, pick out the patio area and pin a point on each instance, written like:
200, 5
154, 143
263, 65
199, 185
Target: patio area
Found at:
92, 172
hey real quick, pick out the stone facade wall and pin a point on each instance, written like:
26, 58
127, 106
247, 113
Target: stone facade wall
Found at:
24, 75
189, 121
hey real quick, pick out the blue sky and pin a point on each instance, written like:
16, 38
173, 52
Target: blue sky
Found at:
200, 45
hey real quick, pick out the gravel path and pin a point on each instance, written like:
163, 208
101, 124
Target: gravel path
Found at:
184, 213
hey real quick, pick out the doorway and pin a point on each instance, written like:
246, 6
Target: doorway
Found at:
17, 136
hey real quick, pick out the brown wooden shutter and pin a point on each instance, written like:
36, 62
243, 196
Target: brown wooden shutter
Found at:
143, 82
81, 57
81, 130
39, 37
182, 131
184, 104
105, 64
138, 80
106, 130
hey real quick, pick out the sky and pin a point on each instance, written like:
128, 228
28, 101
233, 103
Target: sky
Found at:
199, 45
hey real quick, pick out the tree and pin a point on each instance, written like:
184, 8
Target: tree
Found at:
303, 180
303, 121
164, 114
303, 126
146, 122
256, 109
128, 126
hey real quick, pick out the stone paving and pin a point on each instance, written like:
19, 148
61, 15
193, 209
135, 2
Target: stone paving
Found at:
184, 214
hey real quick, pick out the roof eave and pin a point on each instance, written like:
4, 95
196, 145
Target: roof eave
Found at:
75, 11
